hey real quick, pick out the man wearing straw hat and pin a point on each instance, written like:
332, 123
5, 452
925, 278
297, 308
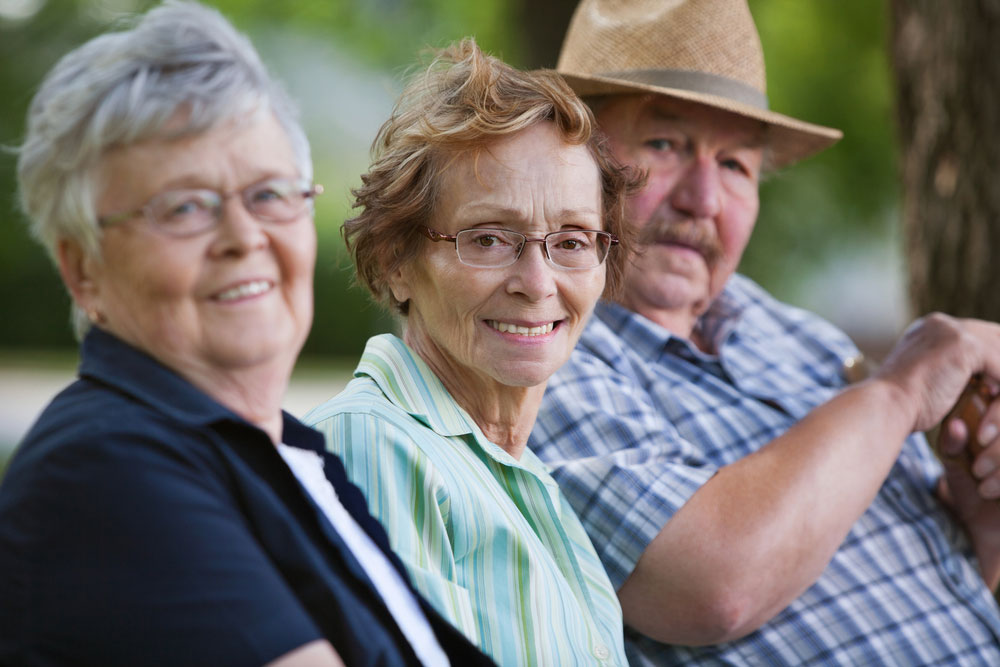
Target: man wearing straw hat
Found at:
749, 504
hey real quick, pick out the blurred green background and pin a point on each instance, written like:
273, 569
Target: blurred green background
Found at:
827, 237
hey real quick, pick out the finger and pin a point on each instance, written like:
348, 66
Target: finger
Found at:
989, 488
986, 469
989, 426
986, 464
952, 438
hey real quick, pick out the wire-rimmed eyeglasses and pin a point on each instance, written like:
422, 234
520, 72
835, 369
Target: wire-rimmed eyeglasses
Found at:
493, 248
193, 211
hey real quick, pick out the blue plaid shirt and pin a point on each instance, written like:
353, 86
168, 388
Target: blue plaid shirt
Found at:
639, 419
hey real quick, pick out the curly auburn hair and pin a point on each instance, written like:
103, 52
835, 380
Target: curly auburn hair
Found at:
462, 102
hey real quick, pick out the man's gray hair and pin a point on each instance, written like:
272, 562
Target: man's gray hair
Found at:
180, 60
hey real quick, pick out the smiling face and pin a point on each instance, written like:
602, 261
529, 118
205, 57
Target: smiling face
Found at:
515, 325
696, 212
226, 300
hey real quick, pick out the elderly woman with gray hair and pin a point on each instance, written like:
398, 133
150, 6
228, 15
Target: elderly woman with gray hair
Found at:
163, 510
488, 221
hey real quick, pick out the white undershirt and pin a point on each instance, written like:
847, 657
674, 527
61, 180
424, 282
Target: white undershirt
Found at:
308, 468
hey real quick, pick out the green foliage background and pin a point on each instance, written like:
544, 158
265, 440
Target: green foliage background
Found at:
826, 62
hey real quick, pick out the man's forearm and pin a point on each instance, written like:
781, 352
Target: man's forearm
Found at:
761, 531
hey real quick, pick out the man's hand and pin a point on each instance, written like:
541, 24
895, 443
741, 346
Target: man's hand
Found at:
763, 529
970, 450
934, 361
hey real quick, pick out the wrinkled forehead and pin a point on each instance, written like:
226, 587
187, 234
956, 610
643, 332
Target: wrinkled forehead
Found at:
224, 157
491, 160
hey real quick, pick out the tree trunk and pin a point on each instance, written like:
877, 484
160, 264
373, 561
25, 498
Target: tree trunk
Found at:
946, 57
544, 26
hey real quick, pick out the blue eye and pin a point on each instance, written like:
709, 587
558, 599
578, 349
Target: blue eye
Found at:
266, 195
186, 208
735, 165
182, 206
275, 189
660, 144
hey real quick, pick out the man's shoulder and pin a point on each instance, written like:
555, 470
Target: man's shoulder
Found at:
767, 316
742, 292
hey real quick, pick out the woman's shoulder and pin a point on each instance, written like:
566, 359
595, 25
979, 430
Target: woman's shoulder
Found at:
378, 438
363, 412
126, 491
91, 434
88, 413
361, 396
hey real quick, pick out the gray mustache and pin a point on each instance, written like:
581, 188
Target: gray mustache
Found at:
698, 236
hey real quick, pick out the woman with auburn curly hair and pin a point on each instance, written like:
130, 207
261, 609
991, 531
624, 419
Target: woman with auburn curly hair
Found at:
489, 220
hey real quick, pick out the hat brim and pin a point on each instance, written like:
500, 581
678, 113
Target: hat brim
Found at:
788, 139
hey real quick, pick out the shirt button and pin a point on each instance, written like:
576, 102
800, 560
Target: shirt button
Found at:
601, 652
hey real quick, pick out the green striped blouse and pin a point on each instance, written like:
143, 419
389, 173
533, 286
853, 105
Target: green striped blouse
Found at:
488, 539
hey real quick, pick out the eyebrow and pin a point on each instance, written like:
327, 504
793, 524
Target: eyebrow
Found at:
656, 113
757, 140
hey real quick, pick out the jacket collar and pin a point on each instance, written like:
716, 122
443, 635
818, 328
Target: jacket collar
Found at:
111, 361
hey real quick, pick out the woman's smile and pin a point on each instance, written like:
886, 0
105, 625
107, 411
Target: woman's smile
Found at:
244, 291
522, 329
511, 325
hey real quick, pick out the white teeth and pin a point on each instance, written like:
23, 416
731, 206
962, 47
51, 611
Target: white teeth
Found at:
504, 327
244, 290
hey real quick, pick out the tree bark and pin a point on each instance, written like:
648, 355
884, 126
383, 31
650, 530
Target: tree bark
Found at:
946, 57
544, 25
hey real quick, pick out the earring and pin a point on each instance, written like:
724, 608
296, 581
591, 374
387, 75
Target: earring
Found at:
95, 316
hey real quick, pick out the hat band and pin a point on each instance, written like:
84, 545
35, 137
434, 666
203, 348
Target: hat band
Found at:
697, 82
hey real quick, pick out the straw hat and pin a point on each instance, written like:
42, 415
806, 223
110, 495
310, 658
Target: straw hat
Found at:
705, 51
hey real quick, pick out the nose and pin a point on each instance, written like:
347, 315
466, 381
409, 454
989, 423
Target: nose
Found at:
238, 232
698, 192
532, 275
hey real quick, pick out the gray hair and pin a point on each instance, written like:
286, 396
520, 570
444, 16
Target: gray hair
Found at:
125, 87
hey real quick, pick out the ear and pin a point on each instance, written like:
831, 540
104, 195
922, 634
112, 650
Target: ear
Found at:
399, 283
80, 275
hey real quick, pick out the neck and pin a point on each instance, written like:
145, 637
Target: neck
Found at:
504, 413
505, 416
679, 316
254, 392
681, 323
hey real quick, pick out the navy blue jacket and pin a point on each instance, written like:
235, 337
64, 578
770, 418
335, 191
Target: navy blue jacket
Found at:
143, 523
